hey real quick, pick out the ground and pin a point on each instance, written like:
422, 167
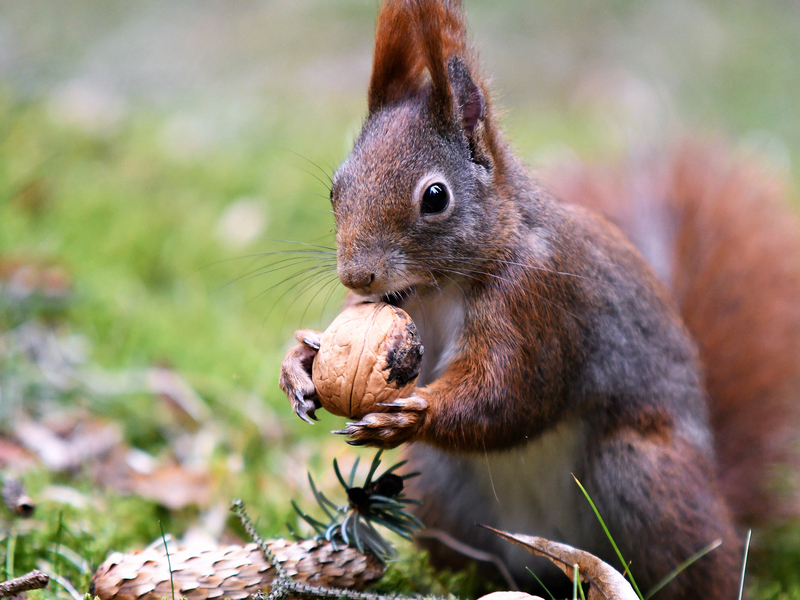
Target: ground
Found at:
152, 157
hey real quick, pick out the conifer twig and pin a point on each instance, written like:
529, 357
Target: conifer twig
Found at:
35, 580
283, 585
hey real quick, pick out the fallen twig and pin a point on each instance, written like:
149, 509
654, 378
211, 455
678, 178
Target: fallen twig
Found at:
35, 580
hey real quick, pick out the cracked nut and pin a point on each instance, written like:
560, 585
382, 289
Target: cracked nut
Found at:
370, 354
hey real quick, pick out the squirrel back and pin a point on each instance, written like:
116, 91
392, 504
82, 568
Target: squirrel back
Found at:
718, 230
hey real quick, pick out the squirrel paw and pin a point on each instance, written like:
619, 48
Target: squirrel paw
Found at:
389, 429
295, 379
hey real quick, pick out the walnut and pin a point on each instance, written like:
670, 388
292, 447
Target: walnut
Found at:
370, 354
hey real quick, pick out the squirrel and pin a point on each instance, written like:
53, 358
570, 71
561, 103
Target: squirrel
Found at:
660, 367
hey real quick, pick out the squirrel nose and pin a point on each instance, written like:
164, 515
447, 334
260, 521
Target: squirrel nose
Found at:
355, 278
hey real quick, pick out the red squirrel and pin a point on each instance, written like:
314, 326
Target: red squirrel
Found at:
552, 346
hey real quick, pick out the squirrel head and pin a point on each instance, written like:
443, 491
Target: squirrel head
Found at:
411, 199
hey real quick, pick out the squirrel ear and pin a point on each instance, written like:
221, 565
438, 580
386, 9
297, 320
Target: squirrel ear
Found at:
396, 68
467, 95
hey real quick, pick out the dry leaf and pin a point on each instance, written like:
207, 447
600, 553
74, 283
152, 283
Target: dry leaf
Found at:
59, 451
169, 484
606, 582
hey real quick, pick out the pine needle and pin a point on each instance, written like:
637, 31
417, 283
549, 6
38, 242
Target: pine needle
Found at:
688, 562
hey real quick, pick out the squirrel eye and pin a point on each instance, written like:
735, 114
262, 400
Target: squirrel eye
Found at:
435, 199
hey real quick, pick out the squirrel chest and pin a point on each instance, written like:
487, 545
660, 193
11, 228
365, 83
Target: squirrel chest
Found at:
439, 316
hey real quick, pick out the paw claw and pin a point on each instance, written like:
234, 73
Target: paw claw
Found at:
302, 415
311, 343
309, 337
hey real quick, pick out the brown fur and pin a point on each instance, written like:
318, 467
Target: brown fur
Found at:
734, 259
415, 38
547, 328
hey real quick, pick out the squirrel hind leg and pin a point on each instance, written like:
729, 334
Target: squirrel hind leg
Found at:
661, 502
728, 247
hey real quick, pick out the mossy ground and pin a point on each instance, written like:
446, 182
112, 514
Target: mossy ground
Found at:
133, 222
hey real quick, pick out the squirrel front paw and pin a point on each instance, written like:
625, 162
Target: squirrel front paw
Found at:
388, 429
295, 379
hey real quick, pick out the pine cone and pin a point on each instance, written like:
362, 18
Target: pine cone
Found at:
233, 572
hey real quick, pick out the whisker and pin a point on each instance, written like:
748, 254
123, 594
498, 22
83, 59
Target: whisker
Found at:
280, 241
328, 297
513, 248
523, 265
314, 282
257, 255
290, 289
325, 283
458, 286
308, 160
327, 186
310, 272
426, 262
436, 283
514, 283
271, 268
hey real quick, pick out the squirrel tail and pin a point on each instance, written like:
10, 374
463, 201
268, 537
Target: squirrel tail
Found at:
719, 232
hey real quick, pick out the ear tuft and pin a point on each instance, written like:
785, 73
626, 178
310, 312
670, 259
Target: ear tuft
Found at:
412, 37
397, 66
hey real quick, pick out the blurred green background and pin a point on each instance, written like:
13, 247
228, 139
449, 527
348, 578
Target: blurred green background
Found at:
153, 153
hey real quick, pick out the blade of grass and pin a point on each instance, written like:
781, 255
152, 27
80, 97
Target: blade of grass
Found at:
541, 583
59, 531
169, 563
610, 538
64, 582
11, 548
578, 579
575, 578
744, 562
677, 570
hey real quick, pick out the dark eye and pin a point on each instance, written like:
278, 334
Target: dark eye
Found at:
435, 199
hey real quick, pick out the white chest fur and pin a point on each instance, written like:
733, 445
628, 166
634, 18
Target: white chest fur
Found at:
528, 490
532, 486
439, 316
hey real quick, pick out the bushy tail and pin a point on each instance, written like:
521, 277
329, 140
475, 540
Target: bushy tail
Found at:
718, 230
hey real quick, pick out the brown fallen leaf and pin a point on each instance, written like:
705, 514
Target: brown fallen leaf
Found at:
169, 484
60, 451
606, 582
14, 457
234, 572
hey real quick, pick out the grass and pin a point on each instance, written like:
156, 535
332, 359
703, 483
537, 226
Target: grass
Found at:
132, 216
153, 285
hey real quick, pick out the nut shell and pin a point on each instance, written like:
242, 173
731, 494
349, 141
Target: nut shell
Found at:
370, 354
